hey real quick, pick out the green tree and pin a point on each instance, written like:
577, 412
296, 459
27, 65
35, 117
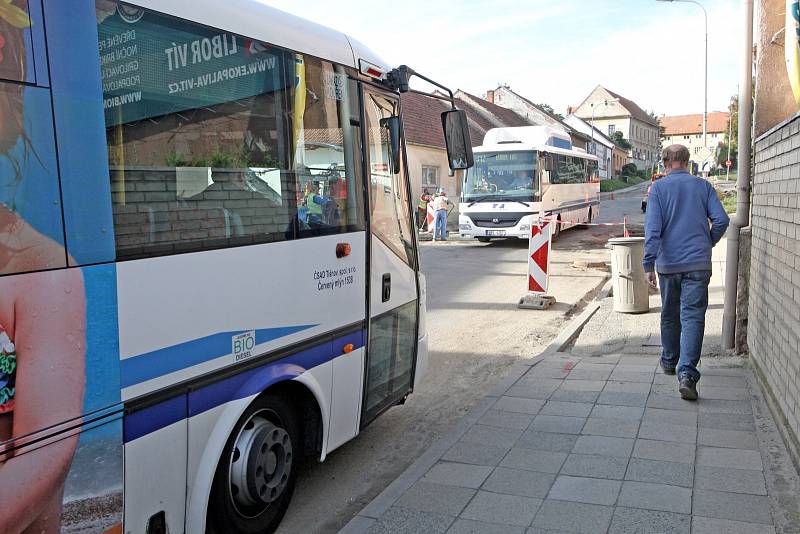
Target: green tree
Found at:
549, 109
620, 141
731, 136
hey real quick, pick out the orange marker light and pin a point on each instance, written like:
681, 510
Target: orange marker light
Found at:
342, 250
348, 348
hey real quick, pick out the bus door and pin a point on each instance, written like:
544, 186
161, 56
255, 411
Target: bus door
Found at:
393, 290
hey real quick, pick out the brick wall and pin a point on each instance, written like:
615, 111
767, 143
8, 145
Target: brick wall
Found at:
774, 307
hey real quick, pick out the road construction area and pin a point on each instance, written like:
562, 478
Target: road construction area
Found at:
476, 334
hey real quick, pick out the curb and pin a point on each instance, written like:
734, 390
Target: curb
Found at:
368, 515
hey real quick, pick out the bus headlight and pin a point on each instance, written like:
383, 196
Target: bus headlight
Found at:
525, 228
465, 227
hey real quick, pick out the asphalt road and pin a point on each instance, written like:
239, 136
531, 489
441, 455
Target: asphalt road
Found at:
476, 333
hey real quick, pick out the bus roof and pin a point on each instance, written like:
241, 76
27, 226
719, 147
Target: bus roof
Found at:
251, 18
524, 147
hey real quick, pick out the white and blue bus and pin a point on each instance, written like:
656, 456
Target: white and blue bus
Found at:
208, 266
523, 174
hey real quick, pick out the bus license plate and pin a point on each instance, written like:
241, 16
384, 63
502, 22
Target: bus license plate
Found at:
495, 232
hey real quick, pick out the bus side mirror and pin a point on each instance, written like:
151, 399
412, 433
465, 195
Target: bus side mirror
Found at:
456, 137
392, 125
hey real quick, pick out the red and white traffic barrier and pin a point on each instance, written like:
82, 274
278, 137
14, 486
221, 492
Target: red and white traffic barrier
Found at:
538, 268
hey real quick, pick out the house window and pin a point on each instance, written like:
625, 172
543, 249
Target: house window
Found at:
611, 129
430, 176
686, 137
697, 149
699, 136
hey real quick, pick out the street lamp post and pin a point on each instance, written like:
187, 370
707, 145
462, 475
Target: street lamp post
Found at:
705, 101
605, 103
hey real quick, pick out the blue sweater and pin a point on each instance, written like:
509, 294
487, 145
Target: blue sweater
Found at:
677, 234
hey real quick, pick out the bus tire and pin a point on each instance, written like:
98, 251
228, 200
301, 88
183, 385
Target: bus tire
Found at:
256, 474
484, 239
557, 229
588, 220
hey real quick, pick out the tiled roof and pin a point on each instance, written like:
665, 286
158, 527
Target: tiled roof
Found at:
693, 124
422, 121
634, 109
506, 117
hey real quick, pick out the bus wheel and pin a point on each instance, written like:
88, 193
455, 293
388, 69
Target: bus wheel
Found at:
588, 220
484, 239
557, 229
257, 470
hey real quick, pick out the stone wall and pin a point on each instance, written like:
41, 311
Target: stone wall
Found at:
774, 293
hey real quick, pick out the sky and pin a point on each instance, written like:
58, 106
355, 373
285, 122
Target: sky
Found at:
552, 51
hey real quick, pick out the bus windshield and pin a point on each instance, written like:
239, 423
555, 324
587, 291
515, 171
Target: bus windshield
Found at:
507, 176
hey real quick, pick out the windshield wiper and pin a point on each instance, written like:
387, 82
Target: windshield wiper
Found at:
480, 199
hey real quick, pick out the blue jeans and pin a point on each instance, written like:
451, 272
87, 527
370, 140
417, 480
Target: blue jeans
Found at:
440, 224
684, 300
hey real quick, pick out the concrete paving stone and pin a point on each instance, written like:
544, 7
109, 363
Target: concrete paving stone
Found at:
564, 516
629, 376
593, 365
724, 381
467, 526
591, 465
436, 498
529, 392
603, 359
627, 387
726, 421
455, 474
501, 419
582, 374
499, 508
732, 458
735, 506
583, 489
724, 406
476, 453
519, 405
661, 378
737, 439
638, 521
616, 428
571, 409
723, 393
618, 412
656, 497
707, 525
659, 472
583, 385
542, 383
533, 460
558, 423
664, 450
401, 520
574, 396
668, 432
637, 368
490, 435
632, 359
604, 446
732, 480
622, 399
671, 402
561, 359
674, 417
711, 370
545, 371
547, 441
665, 389
519, 482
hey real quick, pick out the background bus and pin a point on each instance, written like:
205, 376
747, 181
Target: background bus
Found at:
208, 266
524, 173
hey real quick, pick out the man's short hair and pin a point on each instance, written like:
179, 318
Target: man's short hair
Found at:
675, 153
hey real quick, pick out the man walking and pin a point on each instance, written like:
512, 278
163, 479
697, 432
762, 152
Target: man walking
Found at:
678, 243
422, 209
440, 205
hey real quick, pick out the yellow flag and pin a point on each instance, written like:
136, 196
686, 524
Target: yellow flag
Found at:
792, 46
299, 107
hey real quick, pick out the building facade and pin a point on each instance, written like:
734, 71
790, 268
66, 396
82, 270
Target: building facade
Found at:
598, 144
687, 130
773, 318
610, 112
504, 97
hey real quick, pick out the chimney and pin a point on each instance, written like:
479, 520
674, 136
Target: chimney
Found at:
570, 110
490, 96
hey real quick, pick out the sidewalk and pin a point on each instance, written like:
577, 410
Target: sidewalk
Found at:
596, 439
